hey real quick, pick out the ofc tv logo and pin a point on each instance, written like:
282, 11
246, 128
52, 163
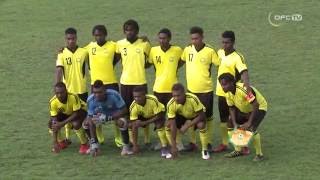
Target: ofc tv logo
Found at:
277, 20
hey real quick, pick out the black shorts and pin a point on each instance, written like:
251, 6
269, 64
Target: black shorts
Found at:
223, 109
241, 118
83, 96
207, 100
113, 86
164, 98
126, 92
61, 117
181, 120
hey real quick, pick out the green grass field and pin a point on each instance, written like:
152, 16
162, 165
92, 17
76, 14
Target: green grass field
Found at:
282, 65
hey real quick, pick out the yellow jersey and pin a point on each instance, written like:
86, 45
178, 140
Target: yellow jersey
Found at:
133, 59
188, 110
74, 103
101, 62
74, 69
233, 63
242, 102
150, 109
198, 68
166, 66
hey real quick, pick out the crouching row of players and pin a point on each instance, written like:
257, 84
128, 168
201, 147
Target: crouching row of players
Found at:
184, 111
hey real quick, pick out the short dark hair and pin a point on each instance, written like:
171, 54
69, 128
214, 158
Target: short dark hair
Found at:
140, 89
97, 84
70, 30
196, 30
101, 28
165, 31
230, 35
60, 85
227, 76
178, 87
131, 23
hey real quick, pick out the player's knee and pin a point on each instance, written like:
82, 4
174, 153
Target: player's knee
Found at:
201, 125
76, 125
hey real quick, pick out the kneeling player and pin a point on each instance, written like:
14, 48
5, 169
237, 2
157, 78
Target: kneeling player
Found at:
103, 106
144, 110
186, 111
66, 108
247, 111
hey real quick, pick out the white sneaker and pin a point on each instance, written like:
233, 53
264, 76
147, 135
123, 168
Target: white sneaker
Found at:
164, 152
126, 150
169, 156
205, 155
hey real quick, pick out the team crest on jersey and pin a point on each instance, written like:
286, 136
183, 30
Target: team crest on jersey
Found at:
138, 50
171, 59
78, 59
60, 109
202, 60
105, 51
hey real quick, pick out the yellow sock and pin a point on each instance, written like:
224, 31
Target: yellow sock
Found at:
224, 133
162, 136
237, 148
130, 135
59, 135
117, 136
257, 144
168, 135
203, 138
146, 134
81, 135
99, 134
209, 130
192, 134
67, 129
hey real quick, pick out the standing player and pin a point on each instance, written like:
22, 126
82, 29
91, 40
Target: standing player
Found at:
133, 52
101, 65
106, 105
71, 68
144, 110
199, 58
66, 108
186, 111
166, 61
246, 110
231, 62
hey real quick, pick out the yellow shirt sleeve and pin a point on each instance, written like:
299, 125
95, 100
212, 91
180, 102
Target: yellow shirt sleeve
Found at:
147, 48
198, 106
158, 108
150, 58
59, 61
76, 105
53, 109
171, 111
215, 58
184, 55
229, 100
133, 112
240, 64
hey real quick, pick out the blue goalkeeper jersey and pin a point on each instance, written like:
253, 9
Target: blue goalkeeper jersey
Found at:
111, 104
